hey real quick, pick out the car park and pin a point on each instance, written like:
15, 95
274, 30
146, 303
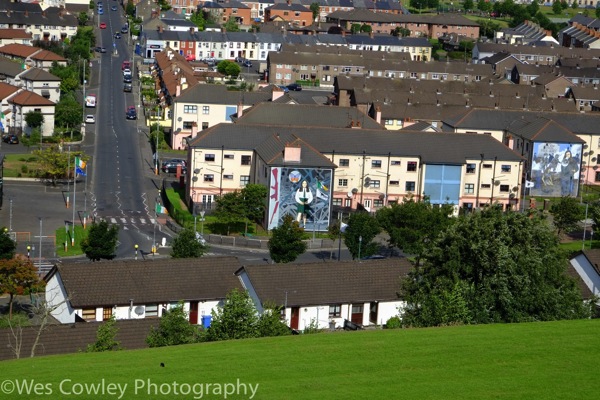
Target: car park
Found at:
128, 87
10, 139
131, 113
294, 86
90, 119
102, 25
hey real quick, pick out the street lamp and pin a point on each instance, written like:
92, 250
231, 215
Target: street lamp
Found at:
202, 223
28, 251
359, 246
136, 251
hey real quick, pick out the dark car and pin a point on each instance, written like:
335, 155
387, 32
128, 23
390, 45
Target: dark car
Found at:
10, 139
114, 8
170, 166
247, 63
124, 29
118, 35
294, 86
131, 113
128, 87
127, 79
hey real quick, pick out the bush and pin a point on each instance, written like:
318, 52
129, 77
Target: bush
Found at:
393, 323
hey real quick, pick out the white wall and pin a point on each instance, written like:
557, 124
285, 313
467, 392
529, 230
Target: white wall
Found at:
587, 273
55, 295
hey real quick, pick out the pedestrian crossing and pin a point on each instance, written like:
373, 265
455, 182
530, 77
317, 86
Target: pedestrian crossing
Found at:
128, 221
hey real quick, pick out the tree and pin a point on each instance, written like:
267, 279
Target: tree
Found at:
286, 242
270, 323
18, 276
101, 241
68, 112
186, 245
360, 232
557, 7
231, 25
34, 119
130, 8
533, 7
173, 329
401, 32
198, 19
228, 68
468, 5
106, 337
597, 12
82, 18
7, 245
483, 6
255, 198
365, 28
491, 267
230, 209
566, 213
574, 5
316, 10
53, 163
236, 319
412, 225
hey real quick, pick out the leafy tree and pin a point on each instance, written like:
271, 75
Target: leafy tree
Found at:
101, 241
483, 6
106, 337
360, 232
270, 324
82, 18
533, 7
566, 212
34, 119
18, 276
230, 209
365, 28
236, 319
174, 329
412, 225
130, 8
355, 28
507, 7
231, 25
564, 4
53, 163
316, 9
574, 5
468, 5
254, 197
186, 245
228, 68
198, 19
7, 245
597, 12
401, 32
557, 7
68, 75
492, 267
286, 242
68, 112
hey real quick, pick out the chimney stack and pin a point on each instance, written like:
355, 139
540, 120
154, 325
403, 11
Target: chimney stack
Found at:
378, 114
240, 109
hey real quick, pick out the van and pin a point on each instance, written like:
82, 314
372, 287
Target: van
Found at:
90, 100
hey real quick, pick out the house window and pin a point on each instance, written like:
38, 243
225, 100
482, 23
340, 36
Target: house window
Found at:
378, 203
88, 314
151, 310
204, 125
597, 176
505, 168
188, 124
228, 177
336, 201
376, 164
504, 188
470, 168
487, 166
246, 160
106, 313
244, 180
209, 178
395, 162
190, 109
344, 162
343, 182
394, 183
411, 166
485, 186
335, 311
205, 110
348, 203
228, 156
409, 187
469, 188
375, 184
209, 157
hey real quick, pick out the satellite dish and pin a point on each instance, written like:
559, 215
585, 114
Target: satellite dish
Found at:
515, 189
139, 310
585, 154
381, 196
354, 190
367, 181
591, 152
512, 195
585, 145
195, 179
593, 159
349, 194
196, 171
496, 183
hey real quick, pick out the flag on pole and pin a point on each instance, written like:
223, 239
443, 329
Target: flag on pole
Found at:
161, 209
79, 163
79, 171
321, 189
529, 184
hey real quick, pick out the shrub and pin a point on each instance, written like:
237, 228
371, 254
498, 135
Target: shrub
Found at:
393, 323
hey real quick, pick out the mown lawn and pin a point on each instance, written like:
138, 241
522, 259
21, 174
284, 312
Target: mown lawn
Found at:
552, 360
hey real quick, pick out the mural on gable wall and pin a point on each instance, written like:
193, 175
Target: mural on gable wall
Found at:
555, 169
303, 193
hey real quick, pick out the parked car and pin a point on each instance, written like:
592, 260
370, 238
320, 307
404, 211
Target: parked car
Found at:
190, 57
117, 35
247, 63
114, 8
10, 139
127, 78
170, 166
284, 88
294, 86
239, 59
131, 113
100, 12
128, 87
126, 65
124, 29
102, 25
126, 71
90, 119
100, 49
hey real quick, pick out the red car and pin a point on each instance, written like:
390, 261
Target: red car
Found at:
102, 25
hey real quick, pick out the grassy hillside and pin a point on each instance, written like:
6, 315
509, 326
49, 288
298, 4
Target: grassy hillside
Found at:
524, 361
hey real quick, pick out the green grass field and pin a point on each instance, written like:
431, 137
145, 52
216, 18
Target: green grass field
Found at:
552, 360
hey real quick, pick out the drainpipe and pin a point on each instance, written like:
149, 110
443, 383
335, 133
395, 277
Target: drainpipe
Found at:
222, 169
387, 179
362, 178
419, 193
479, 181
493, 181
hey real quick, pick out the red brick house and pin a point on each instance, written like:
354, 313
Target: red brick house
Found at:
297, 14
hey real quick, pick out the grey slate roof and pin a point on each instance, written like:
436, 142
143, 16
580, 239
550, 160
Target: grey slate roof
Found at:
38, 74
545, 130
218, 94
9, 67
432, 148
330, 283
306, 115
146, 282
272, 151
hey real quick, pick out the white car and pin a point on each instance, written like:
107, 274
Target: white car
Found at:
90, 119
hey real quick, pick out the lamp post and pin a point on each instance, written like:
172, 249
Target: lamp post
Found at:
202, 223
136, 250
359, 246
28, 251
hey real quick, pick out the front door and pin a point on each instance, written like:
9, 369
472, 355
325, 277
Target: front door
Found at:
194, 313
357, 314
373, 312
295, 318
